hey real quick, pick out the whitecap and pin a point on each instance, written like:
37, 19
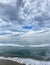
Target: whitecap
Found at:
18, 45
26, 61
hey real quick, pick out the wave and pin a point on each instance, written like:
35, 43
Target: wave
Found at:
26, 61
14, 45
18, 45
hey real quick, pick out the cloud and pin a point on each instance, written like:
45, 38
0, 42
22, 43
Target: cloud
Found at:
19, 17
10, 2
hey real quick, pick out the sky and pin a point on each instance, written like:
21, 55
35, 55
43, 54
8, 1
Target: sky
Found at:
25, 20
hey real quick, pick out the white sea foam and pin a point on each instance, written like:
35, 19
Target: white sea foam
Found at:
18, 45
26, 61
13, 45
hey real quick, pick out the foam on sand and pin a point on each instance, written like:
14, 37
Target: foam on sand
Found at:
26, 61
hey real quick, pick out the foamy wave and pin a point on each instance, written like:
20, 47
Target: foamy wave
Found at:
26, 61
14, 45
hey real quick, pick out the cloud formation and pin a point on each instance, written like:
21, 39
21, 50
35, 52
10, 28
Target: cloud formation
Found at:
18, 17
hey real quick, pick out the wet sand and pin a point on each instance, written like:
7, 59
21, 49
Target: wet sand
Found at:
6, 62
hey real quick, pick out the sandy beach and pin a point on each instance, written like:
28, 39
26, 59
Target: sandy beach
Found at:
6, 62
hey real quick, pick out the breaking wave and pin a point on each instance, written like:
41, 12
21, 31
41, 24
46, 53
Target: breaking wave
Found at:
17, 45
26, 61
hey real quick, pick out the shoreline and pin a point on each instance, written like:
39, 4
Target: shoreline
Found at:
9, 62
39, 58
21, 61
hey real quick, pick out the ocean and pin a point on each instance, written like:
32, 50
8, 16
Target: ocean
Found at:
26, 54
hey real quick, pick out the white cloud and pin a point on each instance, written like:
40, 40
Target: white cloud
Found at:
3, 23
28, 16
12, 2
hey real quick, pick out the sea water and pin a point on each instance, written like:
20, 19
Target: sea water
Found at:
26, 54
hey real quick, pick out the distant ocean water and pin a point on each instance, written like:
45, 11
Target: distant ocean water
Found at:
26, 54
